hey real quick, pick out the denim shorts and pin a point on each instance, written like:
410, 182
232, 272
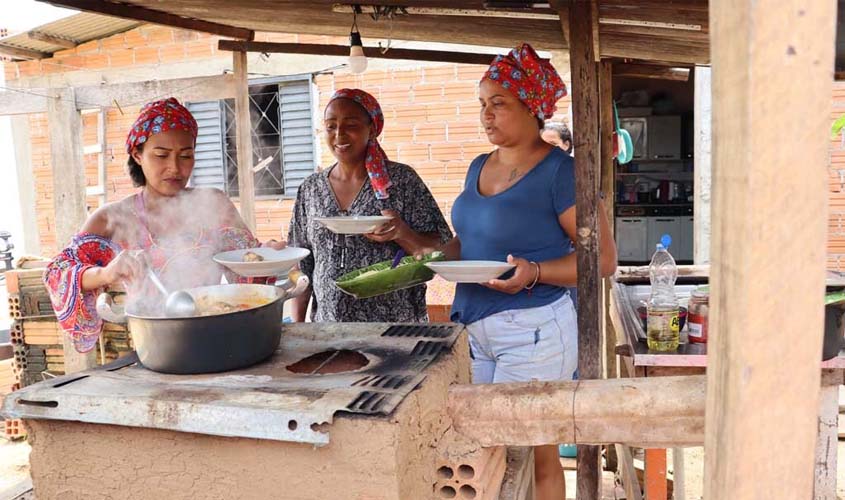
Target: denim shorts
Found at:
520, 345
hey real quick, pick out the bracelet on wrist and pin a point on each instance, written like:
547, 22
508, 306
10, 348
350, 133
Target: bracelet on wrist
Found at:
536, 276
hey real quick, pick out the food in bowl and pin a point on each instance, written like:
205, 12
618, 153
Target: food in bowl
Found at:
211, 306
252, 257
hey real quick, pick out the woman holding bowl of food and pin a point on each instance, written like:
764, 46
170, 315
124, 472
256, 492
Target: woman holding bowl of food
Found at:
361, 186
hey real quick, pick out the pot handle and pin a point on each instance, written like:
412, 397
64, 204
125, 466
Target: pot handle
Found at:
107, 310
295, 284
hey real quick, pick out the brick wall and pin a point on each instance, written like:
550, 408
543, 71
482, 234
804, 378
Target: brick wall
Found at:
431, 116
836, 186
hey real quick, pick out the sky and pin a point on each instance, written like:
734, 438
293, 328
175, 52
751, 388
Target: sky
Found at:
28, 14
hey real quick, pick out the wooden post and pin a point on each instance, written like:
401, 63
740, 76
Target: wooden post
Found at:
772, 64
632, 411
703, 165
246, 180
65, 127
585, 121
828, 437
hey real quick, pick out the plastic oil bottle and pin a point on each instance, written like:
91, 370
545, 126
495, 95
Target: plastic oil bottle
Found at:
663, 332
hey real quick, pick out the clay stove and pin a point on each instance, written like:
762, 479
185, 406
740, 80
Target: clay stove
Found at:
341, 411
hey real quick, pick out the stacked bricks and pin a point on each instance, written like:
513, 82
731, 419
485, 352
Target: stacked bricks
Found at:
477, 475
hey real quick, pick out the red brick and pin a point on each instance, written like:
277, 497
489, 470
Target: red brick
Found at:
410, 113
473, 149
122, 58
468, 109
406, 77
172, 53
97, 61
88, 47
281, 37
430, 132
135, 39
438, 112
11, 71
446, 152
393, 95
29, 68
464, 131
439, 74
411, 153
397, 132
181, 36
65, 53
428, 93
471, 72
457, 170
157, 35
146, 55
113, 42
72, 62
460, 91
431, 170
347, 80
375, 78
199, 49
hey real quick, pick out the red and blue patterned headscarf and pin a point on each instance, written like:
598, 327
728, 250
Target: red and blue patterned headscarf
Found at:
376, 160
533, 80
157, 117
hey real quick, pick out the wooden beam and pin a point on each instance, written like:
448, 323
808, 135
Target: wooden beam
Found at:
52, 39
632, 411
343, 51
65, 127
22, 53
203, 88
653, 48
243, 140
763, 365
585, 121
607, 127
127, 11
653, 72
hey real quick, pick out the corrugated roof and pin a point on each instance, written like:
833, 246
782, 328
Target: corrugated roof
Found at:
79, 28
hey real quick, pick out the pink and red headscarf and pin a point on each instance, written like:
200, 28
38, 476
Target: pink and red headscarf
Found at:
533, 80
376, 160
157, 117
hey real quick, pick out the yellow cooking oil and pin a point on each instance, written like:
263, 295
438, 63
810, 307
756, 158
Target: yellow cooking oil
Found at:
663, 332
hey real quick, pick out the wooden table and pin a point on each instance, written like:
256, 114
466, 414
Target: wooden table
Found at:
691, 359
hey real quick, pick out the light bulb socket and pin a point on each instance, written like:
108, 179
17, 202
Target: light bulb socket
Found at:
355, 39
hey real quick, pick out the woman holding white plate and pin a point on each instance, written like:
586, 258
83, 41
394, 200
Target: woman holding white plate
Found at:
518, 206
362, 183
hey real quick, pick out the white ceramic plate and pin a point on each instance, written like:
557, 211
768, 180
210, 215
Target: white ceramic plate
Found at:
275, 263
353, 224
470, 271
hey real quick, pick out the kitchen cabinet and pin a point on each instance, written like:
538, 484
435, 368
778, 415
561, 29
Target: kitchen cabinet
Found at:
631, 234
657, 227
686, 248
664, 137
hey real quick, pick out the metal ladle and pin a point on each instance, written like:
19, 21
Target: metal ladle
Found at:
178, 304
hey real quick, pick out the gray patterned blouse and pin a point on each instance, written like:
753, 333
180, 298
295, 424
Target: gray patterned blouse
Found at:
333, 255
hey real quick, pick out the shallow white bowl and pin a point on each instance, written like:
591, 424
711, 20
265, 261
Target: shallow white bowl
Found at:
470, 271
353, 224
275, 263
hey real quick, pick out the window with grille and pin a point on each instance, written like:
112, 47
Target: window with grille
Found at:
282, 139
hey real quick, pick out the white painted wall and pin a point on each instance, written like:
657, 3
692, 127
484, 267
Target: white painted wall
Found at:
10, 207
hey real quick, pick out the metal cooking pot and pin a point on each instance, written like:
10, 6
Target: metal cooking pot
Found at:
215, 343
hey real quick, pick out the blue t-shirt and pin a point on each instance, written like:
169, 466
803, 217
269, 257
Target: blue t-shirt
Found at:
522, 221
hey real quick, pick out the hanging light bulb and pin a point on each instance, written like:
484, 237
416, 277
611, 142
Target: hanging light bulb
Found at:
357, 59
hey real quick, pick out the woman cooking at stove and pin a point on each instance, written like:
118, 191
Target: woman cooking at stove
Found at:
518, 205
362, 182
179, 228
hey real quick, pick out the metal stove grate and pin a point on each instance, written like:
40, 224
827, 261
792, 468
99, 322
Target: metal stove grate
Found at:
430, 331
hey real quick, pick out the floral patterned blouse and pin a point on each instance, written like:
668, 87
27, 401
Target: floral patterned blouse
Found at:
333, 255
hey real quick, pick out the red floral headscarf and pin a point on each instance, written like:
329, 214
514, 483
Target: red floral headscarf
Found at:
533, 80
157, 117
376, 161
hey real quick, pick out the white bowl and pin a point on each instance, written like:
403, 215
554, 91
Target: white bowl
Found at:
353, 224
275, 263
470, 271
